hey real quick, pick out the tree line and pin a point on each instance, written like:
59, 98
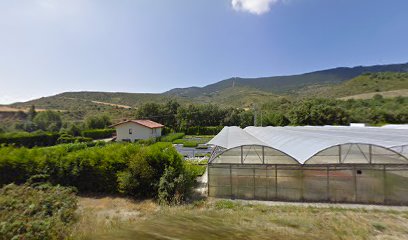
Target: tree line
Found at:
281, 112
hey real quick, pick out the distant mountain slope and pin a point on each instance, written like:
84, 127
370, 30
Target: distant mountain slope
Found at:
242, 92
368, 83
282, 84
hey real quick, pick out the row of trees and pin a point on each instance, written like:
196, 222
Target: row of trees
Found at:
281, 112
377, 110
175, 116
52, 121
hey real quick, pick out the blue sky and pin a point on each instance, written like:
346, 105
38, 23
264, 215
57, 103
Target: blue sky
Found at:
52, 46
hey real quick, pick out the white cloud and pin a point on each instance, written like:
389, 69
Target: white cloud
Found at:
253, 6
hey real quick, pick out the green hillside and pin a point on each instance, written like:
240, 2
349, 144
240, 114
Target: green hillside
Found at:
236, 92
372, 82
285, 84
368, 83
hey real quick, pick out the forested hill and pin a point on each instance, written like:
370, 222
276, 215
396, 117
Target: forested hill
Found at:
282, 84
241, 92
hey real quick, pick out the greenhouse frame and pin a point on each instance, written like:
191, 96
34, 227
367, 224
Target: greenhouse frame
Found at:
316, 164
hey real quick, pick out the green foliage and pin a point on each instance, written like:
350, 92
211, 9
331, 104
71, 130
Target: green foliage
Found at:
98, 133
27, 126
36, 212
197, 168
163, 113
174, 186
89, 169
74, 130
172, 137
98, 122
31, 113
24, 139
275, 119
201, 130
193, 112
148, 141
190, 144
371, 82
141, 178
48, 121
65, 138
132, 169
318, 112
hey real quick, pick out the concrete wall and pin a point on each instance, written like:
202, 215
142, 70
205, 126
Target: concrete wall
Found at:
133, 131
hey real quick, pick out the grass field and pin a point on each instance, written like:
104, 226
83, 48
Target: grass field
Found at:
118, 218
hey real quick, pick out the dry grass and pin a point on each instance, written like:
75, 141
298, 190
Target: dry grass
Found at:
386, 94
118, 218
12, 109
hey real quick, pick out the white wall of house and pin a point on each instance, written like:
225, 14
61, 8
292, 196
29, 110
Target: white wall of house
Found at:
133, 131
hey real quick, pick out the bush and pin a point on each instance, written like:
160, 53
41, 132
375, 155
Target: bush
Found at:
24, 139
195, 168
48, 121
142, 177
172, 137
167, 130
97, 122
36, 212
98, 133
175, 187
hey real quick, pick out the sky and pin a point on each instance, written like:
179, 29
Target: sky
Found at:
52, 46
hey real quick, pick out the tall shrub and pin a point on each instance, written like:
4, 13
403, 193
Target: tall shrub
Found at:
142, 177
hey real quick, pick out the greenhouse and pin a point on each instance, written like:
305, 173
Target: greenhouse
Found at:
329, 163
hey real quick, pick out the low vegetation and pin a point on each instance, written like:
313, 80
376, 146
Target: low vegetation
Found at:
36, 211
130, 169
29, 139
194, 141
224, 219
98, 133
172, 137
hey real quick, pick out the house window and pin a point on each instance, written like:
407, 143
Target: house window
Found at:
130, 131
152, 130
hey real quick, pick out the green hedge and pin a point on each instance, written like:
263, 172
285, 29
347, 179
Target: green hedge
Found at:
24, 139
202, 130
98, 133
128, 168
190, 144
172, 137
70, 139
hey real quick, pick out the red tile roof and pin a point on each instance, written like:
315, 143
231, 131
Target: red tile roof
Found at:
146, 123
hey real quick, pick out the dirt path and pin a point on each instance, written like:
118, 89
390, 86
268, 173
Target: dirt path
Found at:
101, 103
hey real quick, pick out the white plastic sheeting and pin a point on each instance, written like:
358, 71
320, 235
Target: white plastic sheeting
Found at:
231, 137
302, 143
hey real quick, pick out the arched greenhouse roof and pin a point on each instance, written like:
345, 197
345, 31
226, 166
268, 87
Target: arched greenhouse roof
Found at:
231, 137
302, 143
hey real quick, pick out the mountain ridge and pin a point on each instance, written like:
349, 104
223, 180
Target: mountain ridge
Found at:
280, 84
229, 92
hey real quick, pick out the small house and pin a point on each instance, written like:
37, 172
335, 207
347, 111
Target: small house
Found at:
131, 130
